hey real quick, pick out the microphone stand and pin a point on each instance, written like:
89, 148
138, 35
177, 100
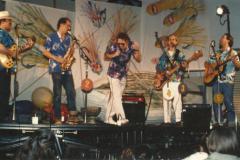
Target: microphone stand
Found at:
15, 83
87, 61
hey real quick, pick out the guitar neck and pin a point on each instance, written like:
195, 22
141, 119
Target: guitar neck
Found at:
189, 60
227, 60
22, 49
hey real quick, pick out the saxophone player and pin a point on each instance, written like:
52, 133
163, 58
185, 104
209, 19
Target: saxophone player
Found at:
57, 46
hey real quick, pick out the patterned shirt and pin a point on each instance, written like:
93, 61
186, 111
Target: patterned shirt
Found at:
57, 47
167, 61
6, 40
118, 66
229, 71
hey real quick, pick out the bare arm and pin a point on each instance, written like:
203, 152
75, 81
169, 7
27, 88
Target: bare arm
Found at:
51, 56
5, 51
236, 62
109, 55
136, 53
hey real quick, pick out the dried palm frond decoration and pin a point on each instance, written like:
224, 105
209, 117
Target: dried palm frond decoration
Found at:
33, 23
125, 20
37, 23
190, 34
91, 50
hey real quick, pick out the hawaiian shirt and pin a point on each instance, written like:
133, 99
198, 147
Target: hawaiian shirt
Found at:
6, 40
229, 71
167, 61
118, 66
57, 47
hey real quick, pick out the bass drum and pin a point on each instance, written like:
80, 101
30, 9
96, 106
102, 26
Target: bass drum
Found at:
168, 92
236, 95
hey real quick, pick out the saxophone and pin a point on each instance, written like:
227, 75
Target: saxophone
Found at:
68, 58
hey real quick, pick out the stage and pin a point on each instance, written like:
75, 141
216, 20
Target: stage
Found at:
103, 141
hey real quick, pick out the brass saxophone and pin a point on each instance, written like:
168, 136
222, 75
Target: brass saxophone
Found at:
69, 59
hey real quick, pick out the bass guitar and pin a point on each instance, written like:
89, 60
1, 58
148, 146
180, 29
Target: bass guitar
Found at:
212, 70
7, 61
161, 78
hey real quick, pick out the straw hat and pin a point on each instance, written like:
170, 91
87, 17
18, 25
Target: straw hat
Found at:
5, 15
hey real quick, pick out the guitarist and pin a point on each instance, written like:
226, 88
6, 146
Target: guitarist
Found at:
172, 56
225, 79
6, 41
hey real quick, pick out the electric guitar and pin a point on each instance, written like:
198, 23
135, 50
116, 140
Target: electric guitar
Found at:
7, 61
161, 78
212, 70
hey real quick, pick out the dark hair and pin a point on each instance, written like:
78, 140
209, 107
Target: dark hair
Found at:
3, 20
223, 140
62, 20
123, 36
230, 38
40, 146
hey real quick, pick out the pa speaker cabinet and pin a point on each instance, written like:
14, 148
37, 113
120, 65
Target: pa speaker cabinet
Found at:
134, 108
196, 116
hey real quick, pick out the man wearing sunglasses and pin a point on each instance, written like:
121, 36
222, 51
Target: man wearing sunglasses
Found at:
119, 54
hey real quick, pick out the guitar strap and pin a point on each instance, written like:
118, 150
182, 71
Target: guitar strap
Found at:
174, 58
224, 67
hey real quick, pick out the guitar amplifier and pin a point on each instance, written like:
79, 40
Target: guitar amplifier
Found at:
134, 108
196, 117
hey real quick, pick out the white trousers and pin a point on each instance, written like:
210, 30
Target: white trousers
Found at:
114, 105
175, 103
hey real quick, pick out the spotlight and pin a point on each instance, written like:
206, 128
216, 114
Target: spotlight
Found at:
222, 9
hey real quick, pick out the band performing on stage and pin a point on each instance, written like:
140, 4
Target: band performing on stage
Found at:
168, 95
220, 70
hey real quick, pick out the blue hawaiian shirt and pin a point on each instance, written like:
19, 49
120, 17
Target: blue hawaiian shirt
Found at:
228, 74
166, 61
118, 65
57, 47
6, 40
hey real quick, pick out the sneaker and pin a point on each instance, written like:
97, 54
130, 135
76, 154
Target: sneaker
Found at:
121, 122
179, 123
111, 121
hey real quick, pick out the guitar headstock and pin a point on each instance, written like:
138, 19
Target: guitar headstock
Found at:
196, 55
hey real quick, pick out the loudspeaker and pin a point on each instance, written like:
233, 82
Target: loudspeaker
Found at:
196, 116
134, 108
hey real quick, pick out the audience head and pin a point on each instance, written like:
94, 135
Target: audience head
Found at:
38, 147
223, 140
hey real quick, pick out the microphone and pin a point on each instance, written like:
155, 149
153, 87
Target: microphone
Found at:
72, 35
213, 43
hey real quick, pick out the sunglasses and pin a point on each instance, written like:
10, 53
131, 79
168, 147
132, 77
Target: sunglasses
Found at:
120, 44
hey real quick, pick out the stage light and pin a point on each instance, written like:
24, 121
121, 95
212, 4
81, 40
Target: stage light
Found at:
221, 11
